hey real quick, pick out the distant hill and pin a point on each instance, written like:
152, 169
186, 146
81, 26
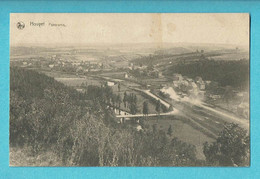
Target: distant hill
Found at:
173, 51
20, 50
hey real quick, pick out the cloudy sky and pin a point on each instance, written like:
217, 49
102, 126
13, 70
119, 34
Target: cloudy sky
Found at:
130, 28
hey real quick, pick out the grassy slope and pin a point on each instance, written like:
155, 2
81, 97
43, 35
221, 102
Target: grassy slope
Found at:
182, 131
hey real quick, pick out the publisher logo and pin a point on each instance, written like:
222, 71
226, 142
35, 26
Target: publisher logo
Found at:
20, 25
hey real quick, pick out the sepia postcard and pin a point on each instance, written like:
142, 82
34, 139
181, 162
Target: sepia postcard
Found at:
129, 89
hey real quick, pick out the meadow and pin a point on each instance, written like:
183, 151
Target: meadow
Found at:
182, 130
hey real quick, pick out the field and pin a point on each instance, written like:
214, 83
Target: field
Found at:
77, 81
56, 74
182, 131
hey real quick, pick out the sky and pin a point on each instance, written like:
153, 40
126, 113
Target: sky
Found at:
124, 28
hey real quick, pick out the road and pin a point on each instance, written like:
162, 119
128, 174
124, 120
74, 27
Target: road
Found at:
207, 117
231, 118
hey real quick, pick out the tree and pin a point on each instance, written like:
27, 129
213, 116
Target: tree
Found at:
228, 95
132, 99
119, 87
158, 107
113, 100
150, 67
169, 132
135, 99
119, 101
230, 149
154, 128
133, 108
84, 85
170, 108
125, 98
145, 108
108, 94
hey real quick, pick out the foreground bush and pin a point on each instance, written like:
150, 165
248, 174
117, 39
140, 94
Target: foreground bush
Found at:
230, 149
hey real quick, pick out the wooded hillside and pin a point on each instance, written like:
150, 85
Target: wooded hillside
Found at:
46, 115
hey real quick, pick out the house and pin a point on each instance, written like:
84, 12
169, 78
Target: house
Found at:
214, 96
51, 65
198, 79
193, 85
207, 82
175, 84
110, 83
189, 80
139, 127
75, 63
200, 83
177, 77
143, 67
184, 86
126, 75
131, 66
80, 90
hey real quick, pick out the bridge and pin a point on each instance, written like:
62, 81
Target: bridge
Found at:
127, 115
